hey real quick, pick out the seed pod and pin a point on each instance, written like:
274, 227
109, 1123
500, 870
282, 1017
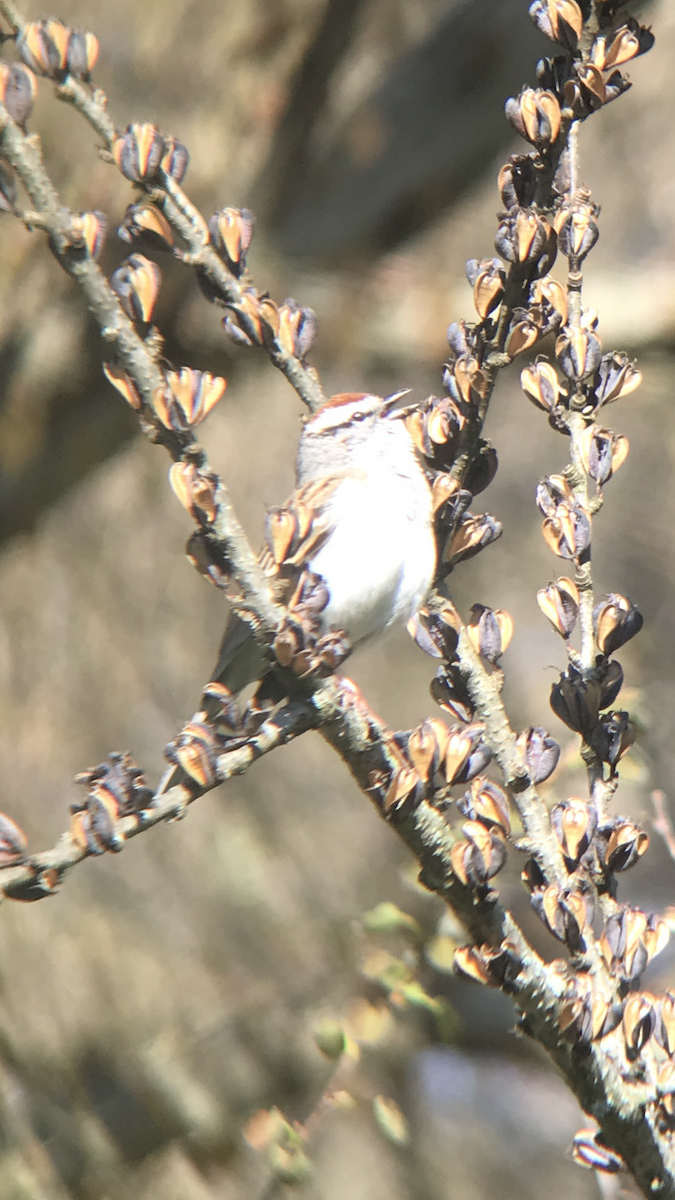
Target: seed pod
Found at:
620, 47
13, 843
639, 1020
517, 182
136, 284
577, 228
540, 751
541, 385
665, 1085
196, 489
574, 824
206, 559
588, 1151
18, 87
616, 377
147, 225
532, 875
488, 803
436, 631
472, 535
579, 352
535, 115
559, 602
187, 397
551, 492
621, 844
664, 1030
630, 940
484, 964
482, 469
138, 152
88, 229
566, 912
525, 237
434, 427
613, 736
82, 54
610, 678
427, 746
297, 328
467, 754
602, 453
310, 597
551, 293
524, 331
231, 232
196, 750
568, 530
480, 857
487, 279
404, 784
586, 1015
465, 381
124, 385
576, 701
43, 46
559, 20
489, 631
175, 158
459, 338
448, 688
615, 620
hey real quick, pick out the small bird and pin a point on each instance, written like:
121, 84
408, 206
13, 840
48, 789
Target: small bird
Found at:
360, 518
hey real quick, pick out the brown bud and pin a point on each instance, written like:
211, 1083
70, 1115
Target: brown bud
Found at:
589, 1151
616, 377
487, 279
88, 229
579, 352
175, 158
664, 1031
518, 182
488, 803
17, 91
138, 152
481, 856
540, 751
568, 530
559, 602
484, 964
615, 620
535, 114
448, 688
559, 20
621, 845
187, 397
541, 385
231, 232
525, 237
602, 453
136, 284
427, 747
146, 224
43, 46
639, 1020
577, 228
467, 754
573, 823
124, 384
196, 489
472, 535
576, 701
489, 631
566, 913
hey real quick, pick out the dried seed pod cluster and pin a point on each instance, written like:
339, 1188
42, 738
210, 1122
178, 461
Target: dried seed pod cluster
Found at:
54, 50
141, 151
116, 789
221, 726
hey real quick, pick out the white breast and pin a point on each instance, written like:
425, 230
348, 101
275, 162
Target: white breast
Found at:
380, 559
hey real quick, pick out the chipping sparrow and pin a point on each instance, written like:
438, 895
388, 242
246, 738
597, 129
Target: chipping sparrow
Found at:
361, 518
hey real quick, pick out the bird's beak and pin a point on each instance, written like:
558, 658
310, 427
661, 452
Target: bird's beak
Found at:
389, 403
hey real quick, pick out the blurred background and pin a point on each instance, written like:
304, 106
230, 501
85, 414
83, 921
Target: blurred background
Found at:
166, 995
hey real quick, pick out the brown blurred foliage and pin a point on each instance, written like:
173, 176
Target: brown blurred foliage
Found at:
164, 996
